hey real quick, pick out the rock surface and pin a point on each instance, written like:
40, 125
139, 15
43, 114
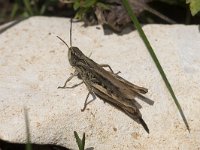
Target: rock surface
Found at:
33, 63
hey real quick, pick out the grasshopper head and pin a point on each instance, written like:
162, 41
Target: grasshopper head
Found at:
74, 54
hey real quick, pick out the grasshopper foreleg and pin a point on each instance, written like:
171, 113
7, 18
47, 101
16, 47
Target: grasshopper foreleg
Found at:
71, 76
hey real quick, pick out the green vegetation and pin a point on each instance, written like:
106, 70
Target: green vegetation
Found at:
26, 8
79, 8
84, 7
80, 142
194, 6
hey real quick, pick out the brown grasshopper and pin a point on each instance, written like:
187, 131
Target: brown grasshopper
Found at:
106, 85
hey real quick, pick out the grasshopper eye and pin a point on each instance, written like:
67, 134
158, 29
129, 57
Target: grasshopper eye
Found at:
77, 52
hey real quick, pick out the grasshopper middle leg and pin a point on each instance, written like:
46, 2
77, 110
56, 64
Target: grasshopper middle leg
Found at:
86, 103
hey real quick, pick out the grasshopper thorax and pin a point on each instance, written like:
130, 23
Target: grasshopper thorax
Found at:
74, 54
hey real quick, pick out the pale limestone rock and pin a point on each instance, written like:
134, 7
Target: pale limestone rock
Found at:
33, 63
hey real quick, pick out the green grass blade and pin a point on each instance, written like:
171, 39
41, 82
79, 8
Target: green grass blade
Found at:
14, 10
155, 59
43, 9
80, 143
83, 141
28, 7
28, 138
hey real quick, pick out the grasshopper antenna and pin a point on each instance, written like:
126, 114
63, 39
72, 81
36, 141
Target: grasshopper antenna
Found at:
71, 32
63, 41
70, 36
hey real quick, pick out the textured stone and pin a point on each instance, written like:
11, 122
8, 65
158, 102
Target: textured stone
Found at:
33, 63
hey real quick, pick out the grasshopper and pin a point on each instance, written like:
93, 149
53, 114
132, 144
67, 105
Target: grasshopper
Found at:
106, 85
